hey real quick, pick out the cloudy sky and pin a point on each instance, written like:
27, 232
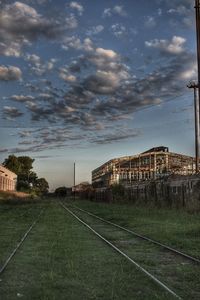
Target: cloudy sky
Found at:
90, 80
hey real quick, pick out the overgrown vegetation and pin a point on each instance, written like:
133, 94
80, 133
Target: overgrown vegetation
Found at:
16, 198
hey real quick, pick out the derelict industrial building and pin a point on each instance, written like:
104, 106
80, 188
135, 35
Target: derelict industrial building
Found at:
153, 164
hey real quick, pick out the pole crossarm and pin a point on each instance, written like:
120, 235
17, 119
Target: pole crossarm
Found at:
192, 85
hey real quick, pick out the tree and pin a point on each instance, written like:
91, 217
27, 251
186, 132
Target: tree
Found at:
23, 186
27, 180
26, 164
20, 165
12, 163
61, 191
41, 185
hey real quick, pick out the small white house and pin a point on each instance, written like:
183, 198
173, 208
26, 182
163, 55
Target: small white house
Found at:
8, 179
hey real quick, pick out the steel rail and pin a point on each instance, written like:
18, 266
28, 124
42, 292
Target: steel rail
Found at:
161, 284
194, 259
20, 243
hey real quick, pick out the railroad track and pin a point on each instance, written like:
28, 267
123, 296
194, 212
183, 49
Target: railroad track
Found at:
175, 251
167, 261
23, 238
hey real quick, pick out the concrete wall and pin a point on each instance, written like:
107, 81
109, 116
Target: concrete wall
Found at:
8, 179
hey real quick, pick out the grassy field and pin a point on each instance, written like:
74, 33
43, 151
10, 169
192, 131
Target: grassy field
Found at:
61, 259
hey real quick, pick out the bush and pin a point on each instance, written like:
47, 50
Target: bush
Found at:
118, 192
61, 191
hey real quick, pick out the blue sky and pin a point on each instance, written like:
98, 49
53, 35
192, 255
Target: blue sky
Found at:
89, 80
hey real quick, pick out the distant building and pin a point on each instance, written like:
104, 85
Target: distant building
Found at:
81, 187
155, 163
8, 179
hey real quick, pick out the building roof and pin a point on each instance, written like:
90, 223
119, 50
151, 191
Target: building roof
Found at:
6, 172
159, 149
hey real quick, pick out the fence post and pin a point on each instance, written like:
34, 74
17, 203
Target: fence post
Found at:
183, 195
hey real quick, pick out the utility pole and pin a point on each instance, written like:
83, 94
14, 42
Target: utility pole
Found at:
197, 9
74, 179
194, 86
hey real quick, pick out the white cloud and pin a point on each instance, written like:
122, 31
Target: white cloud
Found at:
11, 112
185, 12
72, 42
77, 6
45, 96
116, 10
22, 98
10, 73
14, 49
107, 70
181, 10
190, 73
175, 46
110, 72
20, 24
64, 74
107, 12
106, 53
111, 78
71, 78
37, 66
71, 22
150, 22
33, 58
76, 43
119, 9
51, 63
118, 30
31, 105
66, 77
22, 9
68, 109
95, 30
88, 45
